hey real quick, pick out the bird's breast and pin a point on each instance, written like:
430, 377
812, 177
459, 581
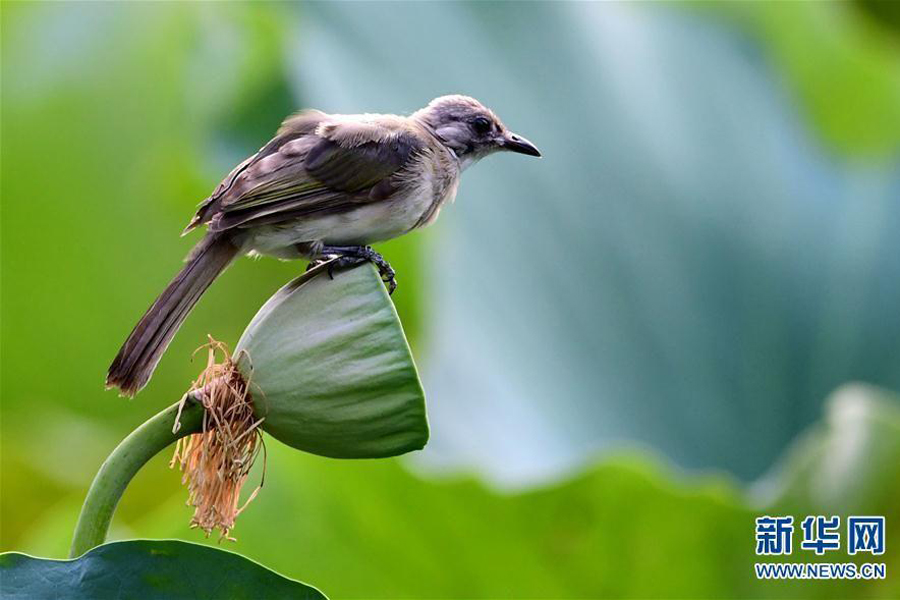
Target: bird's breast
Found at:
436, 178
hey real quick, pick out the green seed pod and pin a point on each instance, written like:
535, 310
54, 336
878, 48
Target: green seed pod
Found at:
330, 370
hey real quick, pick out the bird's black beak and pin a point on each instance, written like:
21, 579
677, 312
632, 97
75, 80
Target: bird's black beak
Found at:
516, 143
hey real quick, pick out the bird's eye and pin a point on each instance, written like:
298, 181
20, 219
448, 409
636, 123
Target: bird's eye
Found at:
481, 125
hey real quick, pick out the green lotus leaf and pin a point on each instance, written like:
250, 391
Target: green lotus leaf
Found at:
330, 368
846, 463
147, 569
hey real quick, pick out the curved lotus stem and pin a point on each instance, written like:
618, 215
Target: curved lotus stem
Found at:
123, 464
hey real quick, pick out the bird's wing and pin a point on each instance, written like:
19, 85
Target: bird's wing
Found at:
326, 168
294, 127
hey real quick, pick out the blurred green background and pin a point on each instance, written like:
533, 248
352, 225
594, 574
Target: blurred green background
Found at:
628, 347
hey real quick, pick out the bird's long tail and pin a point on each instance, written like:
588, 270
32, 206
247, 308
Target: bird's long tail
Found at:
136, 360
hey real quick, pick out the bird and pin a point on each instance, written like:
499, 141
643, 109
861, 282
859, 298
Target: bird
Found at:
326, 187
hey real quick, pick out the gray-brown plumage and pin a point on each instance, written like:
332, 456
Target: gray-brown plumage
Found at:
325, 186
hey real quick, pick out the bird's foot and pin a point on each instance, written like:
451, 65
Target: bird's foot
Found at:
348, 256
315, 263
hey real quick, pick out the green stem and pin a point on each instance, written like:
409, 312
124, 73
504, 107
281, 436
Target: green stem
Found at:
122, 465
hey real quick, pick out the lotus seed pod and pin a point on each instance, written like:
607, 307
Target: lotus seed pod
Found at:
330, 369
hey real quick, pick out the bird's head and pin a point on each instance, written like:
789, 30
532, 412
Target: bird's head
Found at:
471, 130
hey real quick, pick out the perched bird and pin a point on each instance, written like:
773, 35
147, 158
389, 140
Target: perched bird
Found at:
324, 187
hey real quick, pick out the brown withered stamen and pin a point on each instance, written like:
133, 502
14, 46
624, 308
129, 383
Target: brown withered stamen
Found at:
216, 462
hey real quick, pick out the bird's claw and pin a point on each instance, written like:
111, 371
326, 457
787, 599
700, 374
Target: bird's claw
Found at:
357, 255
388, 276
313, 264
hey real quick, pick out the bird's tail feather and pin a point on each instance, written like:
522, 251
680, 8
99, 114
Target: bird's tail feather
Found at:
139, 355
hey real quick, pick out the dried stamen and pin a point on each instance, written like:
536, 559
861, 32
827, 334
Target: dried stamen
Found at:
217, 461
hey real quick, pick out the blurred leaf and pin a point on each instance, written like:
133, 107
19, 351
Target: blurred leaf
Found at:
883, 12
685, 268
844, 68
331, 370
146, 569
847, 463
625, 528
